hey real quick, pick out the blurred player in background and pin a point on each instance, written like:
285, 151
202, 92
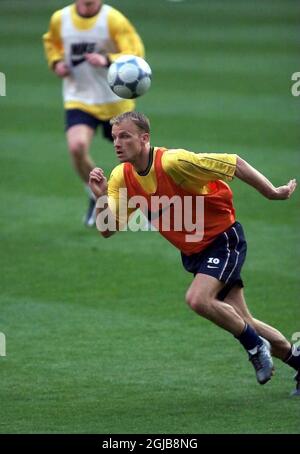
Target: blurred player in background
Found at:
82, 40
215, 259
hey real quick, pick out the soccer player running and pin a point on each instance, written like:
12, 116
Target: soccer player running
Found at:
82, 40
216, 258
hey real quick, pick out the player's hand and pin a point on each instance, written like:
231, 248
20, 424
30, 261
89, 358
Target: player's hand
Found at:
285, 192
97, 60
98, 182
61, 69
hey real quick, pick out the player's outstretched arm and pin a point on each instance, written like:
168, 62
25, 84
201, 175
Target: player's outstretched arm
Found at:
251, 176
98, 184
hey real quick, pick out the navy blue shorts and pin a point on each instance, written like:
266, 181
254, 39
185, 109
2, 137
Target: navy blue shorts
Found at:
79, 117
222, 259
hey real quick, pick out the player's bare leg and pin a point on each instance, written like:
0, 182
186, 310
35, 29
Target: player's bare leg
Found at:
202, 298
280, 345
79, 138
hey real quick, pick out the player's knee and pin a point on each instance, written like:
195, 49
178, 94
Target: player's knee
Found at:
77, 149
198, 303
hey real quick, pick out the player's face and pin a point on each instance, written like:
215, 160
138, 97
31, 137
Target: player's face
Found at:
129, 141
88, 7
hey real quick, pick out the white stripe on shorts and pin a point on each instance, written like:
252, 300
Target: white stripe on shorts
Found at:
237, 255
228, 255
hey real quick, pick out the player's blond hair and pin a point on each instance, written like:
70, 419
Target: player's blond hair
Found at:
139, 119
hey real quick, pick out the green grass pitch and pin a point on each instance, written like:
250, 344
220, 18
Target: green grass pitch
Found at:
99, 338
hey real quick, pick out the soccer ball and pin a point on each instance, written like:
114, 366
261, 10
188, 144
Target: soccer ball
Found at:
129, 76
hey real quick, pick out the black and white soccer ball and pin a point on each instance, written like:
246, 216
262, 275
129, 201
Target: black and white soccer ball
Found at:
129, 76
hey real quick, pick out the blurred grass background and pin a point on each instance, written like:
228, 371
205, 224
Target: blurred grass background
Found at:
99, 339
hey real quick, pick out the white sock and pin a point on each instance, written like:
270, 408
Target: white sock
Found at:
90, 192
